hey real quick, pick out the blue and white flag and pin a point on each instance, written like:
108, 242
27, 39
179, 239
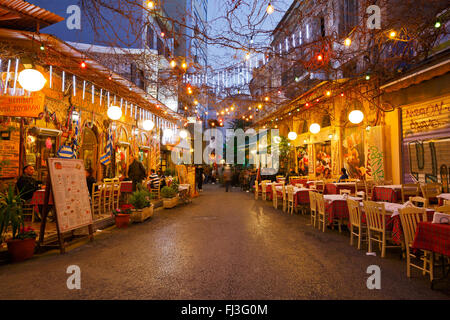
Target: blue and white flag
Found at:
105, 158
66, 152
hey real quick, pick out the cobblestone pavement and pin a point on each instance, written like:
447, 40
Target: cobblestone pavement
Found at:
222, 246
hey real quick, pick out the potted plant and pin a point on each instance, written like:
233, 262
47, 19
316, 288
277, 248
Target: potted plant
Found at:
169, 196
122, 218
142, 207
23, 240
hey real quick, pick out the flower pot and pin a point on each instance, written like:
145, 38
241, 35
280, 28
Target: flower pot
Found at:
122, 220
170, 203
140, 215
21, 250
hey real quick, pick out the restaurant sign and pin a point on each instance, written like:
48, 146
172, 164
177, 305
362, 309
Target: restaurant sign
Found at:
14, 106
426, 117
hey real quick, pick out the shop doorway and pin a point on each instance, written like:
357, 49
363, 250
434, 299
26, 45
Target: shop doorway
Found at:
89, 150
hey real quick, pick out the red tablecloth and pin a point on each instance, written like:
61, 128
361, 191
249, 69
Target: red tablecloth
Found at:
433, 237
338, 209
397, 231
126, 187
298, 181
38, 199
386, 194
331, 188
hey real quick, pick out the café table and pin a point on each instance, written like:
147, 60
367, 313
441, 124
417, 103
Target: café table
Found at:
434, 237
442, 197
298, 181
38, 201
269, 191
126, 187
389, 193
310, 183
334, 188
336, 206
301, 195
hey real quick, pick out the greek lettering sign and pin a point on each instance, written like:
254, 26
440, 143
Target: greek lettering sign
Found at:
12, 106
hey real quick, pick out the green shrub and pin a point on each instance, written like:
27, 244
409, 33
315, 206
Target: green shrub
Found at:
140, 199
168, 192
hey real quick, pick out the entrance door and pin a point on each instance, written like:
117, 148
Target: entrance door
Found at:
89, 150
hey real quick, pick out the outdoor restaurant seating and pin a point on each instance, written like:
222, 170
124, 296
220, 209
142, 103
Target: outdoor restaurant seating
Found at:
257, 190
376, 225
263, 190
444, 209
345, 191
96, 199
313, 207
430, 191
277, 196
419, 201
360, 189
321, 213
290, 199
410, 217
354, 212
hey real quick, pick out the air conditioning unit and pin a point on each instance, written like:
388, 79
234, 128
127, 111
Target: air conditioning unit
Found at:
45, 132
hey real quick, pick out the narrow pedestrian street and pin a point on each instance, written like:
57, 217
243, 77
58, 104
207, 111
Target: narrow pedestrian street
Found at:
222, 246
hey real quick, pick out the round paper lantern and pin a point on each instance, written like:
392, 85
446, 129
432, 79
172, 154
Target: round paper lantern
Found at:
114, 112
314, 128
48, 143
277, 139
356, 116
183, 134
148, 125
292, 136
31, 80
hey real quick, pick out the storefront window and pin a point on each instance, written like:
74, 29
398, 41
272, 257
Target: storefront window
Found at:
38, 150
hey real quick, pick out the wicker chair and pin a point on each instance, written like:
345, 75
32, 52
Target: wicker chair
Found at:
376, 226
354, 211
410, 217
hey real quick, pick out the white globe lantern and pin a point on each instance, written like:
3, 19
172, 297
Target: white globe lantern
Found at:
277, 139
292, 135
356, 116
31, 80
168, 133
183, 134
148, 125
314, 128
114, 112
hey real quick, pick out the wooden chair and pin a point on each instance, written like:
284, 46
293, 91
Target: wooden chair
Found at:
360, 189
115, 194
293, 178
257, 190
370, 184
28, 210
276, 196
376, 226
409, 218
419, 202
384, 182
409, 190
443, 209
354, 210
96, 199
345, 191
264, 190
155, 190
107, 196
430, 191
313, 207
290, 199
320, 186
320, 202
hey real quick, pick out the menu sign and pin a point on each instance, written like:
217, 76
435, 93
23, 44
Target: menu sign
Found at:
70, 193
425, 117
9, 152
14, 106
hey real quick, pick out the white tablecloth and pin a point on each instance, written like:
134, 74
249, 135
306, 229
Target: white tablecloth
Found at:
296, 189
395, 207
336, 197
445, 196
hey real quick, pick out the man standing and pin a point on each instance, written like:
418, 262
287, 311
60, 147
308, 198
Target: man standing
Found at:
199, 177
26, 184
136, 172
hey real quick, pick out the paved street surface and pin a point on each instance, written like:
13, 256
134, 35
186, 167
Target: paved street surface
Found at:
222, 246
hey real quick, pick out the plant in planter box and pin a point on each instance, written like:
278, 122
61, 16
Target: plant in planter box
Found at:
169, 197
22, 243
122, 218
140, 200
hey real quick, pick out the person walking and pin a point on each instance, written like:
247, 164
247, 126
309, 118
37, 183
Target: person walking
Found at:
199, 178
227, 176
136, 171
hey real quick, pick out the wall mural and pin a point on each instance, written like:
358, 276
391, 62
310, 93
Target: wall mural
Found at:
375, 155
323, 160
302, 160
353, 149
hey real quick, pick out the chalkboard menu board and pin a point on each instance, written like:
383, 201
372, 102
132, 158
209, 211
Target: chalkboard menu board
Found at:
70, 193
9, 152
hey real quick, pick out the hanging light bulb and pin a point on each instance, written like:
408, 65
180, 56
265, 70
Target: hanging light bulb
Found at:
270, 9
31, 80
183, 134
314, 128
114, 112
356, 116
173, 64
348, 42
151, 4
148, 125
292, 135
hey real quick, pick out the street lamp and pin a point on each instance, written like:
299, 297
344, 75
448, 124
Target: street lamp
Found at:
270, 9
